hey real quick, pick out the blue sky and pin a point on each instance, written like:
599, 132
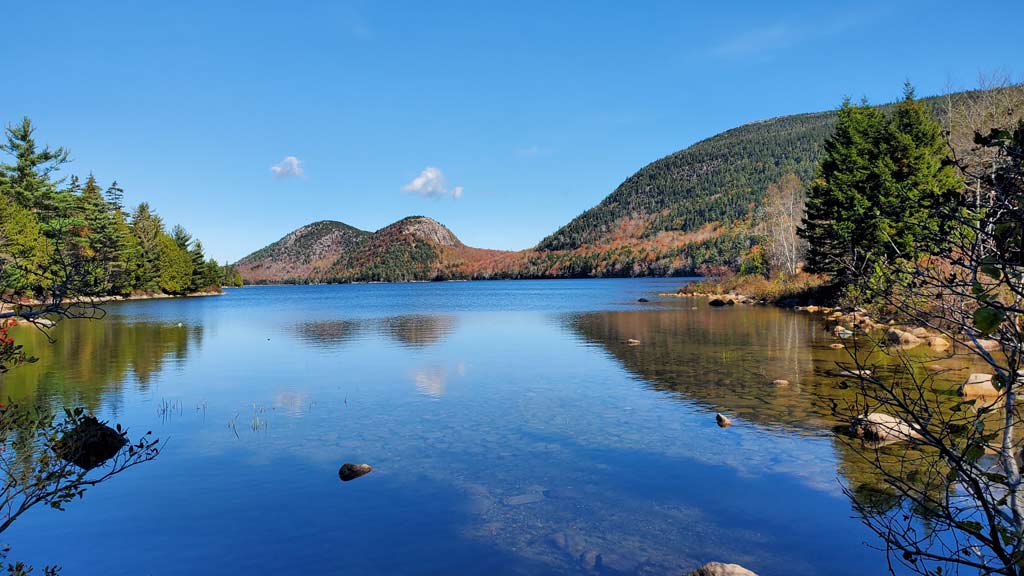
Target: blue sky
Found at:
243, 121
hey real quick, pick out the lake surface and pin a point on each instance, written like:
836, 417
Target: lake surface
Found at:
511, 427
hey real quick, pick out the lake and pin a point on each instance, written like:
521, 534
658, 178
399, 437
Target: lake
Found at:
511, 426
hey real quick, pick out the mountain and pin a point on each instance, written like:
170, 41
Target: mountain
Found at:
697, 207
303, 255
416, 248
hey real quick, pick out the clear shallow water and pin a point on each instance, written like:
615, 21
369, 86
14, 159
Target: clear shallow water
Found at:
511, 429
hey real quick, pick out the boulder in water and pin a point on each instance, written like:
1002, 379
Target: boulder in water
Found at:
903, 339
350, 471
716, 302
642, 300
722, 421
90, 443
879, 427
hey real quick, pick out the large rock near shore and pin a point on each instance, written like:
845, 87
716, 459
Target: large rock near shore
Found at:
879, 427
720, 569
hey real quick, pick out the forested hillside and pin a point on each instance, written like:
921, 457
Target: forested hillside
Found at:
718, 180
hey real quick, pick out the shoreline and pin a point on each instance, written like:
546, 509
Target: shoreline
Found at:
100, 301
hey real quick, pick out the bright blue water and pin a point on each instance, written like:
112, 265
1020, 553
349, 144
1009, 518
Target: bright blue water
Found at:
505, 439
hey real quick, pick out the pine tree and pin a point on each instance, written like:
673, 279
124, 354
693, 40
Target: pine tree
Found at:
181, 237
28, 180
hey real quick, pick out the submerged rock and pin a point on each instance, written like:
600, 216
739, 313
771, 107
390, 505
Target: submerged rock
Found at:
90, 443
836, 346
780, 382
722, 421
848, 373
903, 339
521, 499
632, 342
938, 343
349, 471
720, 569
878, 427
988, 345
978, 386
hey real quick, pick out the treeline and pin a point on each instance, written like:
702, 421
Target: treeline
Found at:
64, 231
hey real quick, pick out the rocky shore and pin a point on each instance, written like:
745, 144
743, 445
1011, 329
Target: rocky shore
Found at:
48, 323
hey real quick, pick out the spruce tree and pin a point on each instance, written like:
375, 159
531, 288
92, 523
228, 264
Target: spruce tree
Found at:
885, 191
839, 222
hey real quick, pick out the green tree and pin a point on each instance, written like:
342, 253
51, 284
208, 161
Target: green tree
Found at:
174, 265
147, 229
885, 191
23, 247
28, 180
838, 206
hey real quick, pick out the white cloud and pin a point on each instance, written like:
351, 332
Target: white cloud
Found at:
431, 184
288, 167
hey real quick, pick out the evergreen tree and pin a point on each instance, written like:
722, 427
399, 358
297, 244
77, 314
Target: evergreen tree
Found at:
181, 237
23, 247
28, 180
199, 272
885, 191
174, 265
148, 229
838, 221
